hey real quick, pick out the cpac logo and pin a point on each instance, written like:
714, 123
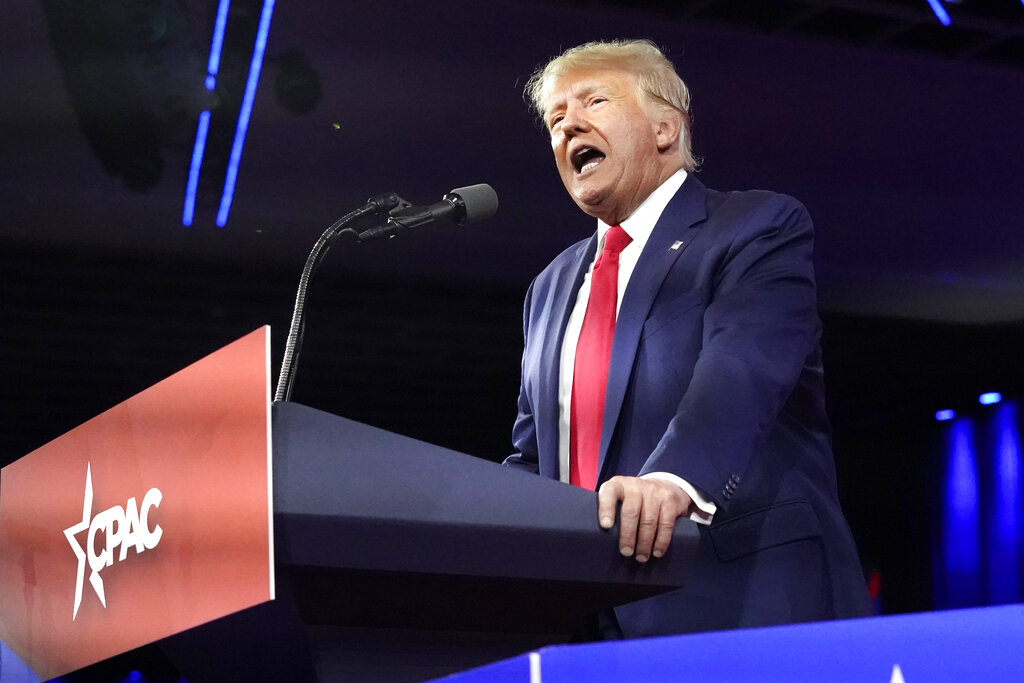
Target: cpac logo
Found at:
123, 527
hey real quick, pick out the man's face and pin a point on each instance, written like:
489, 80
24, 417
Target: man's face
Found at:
606, 142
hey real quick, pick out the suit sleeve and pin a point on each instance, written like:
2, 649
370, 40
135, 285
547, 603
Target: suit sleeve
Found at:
524, 431
760, 328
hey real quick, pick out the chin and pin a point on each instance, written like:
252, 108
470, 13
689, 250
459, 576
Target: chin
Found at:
588, 197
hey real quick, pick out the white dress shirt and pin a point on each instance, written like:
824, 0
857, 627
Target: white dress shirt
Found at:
638, 226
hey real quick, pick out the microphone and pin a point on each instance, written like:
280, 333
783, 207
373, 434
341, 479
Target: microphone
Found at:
461, 206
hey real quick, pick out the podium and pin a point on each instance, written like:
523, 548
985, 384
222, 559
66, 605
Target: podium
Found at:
252, 542
398, 560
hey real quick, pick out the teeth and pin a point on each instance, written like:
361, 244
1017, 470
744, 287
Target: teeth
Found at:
578, 155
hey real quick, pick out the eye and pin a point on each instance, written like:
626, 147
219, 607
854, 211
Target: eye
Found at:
555, 120
598, 100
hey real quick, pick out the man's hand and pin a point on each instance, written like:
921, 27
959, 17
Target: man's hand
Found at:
649, 511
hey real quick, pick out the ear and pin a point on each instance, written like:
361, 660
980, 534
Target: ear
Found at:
667, 130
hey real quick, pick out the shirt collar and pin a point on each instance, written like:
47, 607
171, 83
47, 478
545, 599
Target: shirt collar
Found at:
641, 222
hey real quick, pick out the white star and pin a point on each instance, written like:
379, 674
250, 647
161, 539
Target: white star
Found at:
76, 546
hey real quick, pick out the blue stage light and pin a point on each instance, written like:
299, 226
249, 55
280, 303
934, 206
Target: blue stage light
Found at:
243, 115
135, 676
1005, 519
218, 39
940, 12
193, 170
944, 415
990, 398
204, 118
961, 529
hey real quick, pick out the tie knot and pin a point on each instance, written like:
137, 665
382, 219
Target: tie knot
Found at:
616, 239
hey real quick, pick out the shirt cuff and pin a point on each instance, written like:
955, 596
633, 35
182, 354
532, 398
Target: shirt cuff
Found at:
703, 511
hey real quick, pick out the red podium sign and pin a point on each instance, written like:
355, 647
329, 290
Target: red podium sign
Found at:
149, 519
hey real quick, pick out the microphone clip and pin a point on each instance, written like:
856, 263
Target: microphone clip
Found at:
401, 218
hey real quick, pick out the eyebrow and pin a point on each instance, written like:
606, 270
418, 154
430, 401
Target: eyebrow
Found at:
584, 90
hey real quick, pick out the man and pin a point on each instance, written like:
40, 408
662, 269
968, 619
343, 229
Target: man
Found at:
672, 359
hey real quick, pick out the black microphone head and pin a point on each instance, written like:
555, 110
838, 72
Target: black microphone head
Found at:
480, 201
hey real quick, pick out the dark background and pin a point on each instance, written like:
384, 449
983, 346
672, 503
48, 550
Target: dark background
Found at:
903, 138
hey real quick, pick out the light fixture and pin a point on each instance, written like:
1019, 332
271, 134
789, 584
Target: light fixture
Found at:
940, 12
218, 43
193, 170
213, 66
243, 115
216, 46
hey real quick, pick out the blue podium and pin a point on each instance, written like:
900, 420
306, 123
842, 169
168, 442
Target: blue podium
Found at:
983, 644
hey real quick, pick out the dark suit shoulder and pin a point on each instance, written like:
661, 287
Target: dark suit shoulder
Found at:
756, 213
754, 201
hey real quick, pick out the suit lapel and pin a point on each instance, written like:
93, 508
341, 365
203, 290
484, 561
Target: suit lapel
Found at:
562, 303
676, 224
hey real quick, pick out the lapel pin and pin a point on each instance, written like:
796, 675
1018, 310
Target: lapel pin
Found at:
676, 244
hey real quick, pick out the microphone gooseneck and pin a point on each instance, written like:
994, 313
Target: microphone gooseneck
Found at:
376, 205
460, 206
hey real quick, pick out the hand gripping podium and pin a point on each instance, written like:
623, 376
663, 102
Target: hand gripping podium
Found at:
396, 560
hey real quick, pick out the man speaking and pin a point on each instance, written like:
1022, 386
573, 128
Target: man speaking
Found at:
671, 360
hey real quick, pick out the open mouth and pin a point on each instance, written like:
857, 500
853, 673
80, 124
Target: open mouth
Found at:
586, 158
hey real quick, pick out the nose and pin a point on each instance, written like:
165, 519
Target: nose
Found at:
575, 119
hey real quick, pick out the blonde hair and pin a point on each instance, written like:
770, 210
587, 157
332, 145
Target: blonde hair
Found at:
656, 78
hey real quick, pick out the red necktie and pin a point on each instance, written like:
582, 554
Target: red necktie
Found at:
593, 354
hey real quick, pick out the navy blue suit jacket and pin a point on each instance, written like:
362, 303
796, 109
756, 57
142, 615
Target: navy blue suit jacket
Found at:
715, 376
